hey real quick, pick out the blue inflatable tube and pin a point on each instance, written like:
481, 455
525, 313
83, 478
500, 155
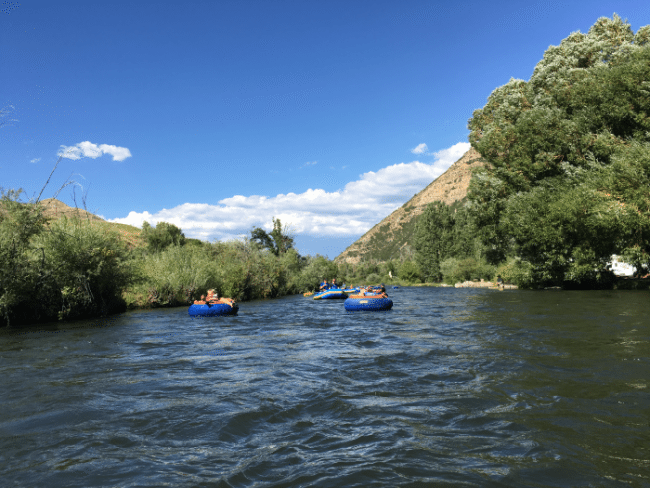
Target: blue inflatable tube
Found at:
332, 293
368, 303
212, 310
351, 291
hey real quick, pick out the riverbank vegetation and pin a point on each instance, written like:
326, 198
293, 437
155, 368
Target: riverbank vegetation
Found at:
566, 184
73, 266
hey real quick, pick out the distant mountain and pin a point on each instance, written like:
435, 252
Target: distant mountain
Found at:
390, 237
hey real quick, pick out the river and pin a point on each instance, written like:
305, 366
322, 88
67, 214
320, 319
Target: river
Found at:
452, 387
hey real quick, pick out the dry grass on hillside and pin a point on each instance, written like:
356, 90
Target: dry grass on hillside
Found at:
55, 209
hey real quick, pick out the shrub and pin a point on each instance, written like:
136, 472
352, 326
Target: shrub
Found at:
87, 265
517, 272
410, 272
373, 279
22, 264
456, 270
318, 269
162, 236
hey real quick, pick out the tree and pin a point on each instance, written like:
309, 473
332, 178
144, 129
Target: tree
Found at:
409, 271
162, 235
317, 269
433, 239
444, 231
555, 147
278, 241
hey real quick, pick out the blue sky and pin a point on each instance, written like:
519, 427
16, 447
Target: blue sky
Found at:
218, 115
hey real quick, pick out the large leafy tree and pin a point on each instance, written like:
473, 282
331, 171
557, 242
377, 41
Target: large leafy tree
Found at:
278, 241
445, 231
567, 153
162, 236
434, 239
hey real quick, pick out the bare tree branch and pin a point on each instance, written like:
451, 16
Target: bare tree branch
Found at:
49, 178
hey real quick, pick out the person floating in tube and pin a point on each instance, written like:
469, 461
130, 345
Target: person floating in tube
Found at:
213, 298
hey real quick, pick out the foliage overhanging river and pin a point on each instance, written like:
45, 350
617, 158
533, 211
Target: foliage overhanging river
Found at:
452, 387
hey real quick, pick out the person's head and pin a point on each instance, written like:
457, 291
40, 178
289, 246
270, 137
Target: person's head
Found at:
333, 281
211, 291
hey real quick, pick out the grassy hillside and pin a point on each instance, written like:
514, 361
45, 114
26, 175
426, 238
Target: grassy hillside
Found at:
55, 210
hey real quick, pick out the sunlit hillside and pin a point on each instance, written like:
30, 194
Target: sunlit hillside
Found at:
55, 209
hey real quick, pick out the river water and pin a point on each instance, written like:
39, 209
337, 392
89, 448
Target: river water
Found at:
452, 387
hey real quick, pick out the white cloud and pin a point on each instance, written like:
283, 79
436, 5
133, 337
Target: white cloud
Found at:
420, 149
309, 163
87, 149
35, 160
350, 211
118, 153
447, 157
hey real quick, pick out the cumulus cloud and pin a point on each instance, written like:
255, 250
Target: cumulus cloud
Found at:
35, 160
420, 149
447, 157
309, 163
350, 211
87, 149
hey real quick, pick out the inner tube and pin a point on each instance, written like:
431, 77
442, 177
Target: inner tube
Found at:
351, 291
212, 310
368, 302
333, 293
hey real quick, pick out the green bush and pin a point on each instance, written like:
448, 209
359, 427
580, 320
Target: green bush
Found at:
373, 279
87, 264
456, 270
318, 269
162, 236
22, 265
238, 269
410, 272
516, 272
71, 269
173, 276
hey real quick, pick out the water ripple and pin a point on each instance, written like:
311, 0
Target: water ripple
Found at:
449, 388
